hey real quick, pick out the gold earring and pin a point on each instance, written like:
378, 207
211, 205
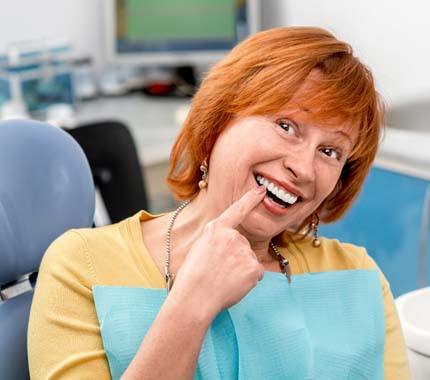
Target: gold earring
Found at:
316, 242
203, 183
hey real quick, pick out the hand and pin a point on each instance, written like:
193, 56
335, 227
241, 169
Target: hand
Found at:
221, 268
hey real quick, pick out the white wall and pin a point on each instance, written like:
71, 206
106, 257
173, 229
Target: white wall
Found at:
79, 21
391, 36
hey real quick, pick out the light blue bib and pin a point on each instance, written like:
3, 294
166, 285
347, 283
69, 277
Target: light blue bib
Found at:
325, 326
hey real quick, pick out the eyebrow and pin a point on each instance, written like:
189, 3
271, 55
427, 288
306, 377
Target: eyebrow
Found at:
343, 134
336, 131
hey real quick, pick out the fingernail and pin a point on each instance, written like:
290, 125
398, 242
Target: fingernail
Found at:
260, 190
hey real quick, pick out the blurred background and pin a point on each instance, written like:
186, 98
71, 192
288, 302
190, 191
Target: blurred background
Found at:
119, 75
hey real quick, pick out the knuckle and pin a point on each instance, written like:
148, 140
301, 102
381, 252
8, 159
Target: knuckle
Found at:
257, 267
254, 282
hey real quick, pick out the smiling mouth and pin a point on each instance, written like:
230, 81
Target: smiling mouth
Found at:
277, 193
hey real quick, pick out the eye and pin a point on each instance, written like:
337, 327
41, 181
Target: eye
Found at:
332, 153
287, 125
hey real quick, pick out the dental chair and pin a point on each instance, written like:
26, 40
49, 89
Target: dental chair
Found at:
46, 188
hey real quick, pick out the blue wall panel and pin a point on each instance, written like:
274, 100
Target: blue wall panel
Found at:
386, 219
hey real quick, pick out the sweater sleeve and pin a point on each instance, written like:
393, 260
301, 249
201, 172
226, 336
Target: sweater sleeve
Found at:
64, 340
395, 357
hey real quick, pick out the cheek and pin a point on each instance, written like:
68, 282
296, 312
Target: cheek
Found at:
230, 169
236, 153
326, 182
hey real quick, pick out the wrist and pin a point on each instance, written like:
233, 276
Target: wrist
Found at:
188, 306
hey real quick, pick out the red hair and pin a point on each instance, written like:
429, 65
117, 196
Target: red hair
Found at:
260, 76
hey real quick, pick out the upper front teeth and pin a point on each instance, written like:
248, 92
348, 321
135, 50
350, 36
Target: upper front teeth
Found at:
278, 191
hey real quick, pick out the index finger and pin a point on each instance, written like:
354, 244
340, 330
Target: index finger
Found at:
239, 210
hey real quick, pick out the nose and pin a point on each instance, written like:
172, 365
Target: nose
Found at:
301, 163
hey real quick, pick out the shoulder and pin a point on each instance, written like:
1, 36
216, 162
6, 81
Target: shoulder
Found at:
342, 255
347, 254
82, 250
331, 255
64, 251
83, 239
111, 255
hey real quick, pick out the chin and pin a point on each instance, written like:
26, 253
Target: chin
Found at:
259, 227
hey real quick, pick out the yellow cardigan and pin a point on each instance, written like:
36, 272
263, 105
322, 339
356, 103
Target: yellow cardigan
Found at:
64, 340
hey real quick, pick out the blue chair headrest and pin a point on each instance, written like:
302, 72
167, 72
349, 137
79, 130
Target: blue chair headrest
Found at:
46, 188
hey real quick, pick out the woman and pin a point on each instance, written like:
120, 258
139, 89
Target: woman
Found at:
280, 135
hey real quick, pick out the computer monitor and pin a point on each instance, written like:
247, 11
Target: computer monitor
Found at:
176, 32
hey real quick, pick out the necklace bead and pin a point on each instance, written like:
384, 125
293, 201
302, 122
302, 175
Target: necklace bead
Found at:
167, 275
283, 262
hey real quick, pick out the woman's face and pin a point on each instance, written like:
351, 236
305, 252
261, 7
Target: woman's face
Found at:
298, 159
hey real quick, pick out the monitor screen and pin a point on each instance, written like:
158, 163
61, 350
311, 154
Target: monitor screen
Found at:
177, 31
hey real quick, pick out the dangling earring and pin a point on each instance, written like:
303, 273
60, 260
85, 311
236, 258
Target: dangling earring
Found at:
316, 242
203, 183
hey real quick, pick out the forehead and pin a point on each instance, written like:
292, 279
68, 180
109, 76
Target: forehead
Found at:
313, 104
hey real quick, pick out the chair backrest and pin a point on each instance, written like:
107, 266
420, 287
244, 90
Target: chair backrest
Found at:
46, 188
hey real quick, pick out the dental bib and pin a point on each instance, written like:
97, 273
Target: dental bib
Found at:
325, 326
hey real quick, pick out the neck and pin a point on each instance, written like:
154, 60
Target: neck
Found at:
261, 250
193, 218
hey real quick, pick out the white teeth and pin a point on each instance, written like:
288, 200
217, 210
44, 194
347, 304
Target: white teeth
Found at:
279, 192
